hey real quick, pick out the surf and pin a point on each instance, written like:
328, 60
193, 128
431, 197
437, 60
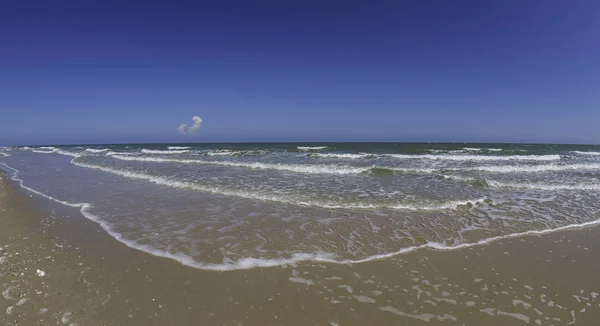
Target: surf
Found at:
163, 152
94, 150
294, 258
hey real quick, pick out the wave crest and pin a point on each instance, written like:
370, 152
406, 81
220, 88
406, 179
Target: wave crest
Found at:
94, 150
163, 152
311, 148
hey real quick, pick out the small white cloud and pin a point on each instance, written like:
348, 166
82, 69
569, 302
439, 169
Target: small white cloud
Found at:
197, 123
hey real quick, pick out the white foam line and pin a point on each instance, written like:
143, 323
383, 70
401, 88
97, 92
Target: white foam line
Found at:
311, 148
468, 157
542, 186
341, 155
244, 263
273, 198
56, 151
249, 263
120, 153
4, 154
471, 149
534, 168
152, 151
336, 169
442, 157
326, 169
178, 147
227, 152
586, 153
442, 247
527, 185
43, 152
94, 150
20, 181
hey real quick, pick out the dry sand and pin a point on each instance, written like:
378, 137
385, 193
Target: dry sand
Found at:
91, 279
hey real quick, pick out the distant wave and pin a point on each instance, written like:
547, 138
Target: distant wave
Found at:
586, 153
111, 153
54, 150
471, 149
374, 169
161, 152
534, 168
93, 150
302, 168
341, 155
311, 148
469, 157
493, 169
440, 157
178, 147
228, 152
43, 152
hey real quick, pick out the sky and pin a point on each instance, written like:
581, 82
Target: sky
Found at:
467, 71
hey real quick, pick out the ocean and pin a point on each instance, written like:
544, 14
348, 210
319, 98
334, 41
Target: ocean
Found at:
240, 206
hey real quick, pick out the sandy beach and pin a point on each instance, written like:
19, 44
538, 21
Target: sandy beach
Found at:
57, 267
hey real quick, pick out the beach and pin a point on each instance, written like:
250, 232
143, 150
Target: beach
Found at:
60, 268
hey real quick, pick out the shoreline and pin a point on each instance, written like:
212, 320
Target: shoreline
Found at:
251, 263
89, 278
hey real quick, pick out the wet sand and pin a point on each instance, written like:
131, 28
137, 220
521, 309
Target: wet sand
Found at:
91, 279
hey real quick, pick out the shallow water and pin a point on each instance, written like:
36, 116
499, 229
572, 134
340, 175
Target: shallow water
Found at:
234, 206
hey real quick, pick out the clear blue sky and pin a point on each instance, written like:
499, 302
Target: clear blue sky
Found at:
126, 71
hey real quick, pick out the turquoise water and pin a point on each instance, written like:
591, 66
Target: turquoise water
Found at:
229, 206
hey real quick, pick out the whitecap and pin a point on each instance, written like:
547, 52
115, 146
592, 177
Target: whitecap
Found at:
471, 157
586, 153
311, 148
228, 152
279, 198
534, 168
94, 150
163, 152
302, 168
341, 155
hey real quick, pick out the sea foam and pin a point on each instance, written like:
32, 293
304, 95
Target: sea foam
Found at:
163, 152
586, 153
302, 168
311, 148
440, 157
526, 185
471, 157
285, 199
249, 262
94, 150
